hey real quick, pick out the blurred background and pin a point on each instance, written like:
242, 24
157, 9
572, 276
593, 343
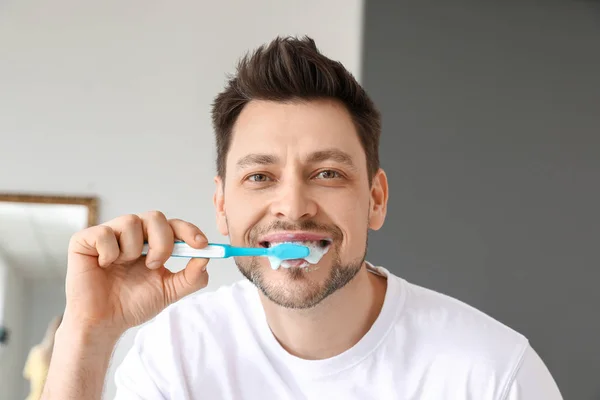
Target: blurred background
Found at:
491, 141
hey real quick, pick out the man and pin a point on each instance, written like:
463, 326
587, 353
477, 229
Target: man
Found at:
297, 145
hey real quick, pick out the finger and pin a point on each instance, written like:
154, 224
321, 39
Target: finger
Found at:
130, 236
187, 281
97, 241
189, 233
159, 235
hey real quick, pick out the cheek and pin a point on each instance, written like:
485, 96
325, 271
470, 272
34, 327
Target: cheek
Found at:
350, 212
242, 212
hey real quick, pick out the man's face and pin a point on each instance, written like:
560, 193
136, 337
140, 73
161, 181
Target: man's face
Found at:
297, 172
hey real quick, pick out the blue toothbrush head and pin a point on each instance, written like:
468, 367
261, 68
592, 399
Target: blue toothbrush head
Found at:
289, 251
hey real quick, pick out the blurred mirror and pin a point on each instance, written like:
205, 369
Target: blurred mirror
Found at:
34, 238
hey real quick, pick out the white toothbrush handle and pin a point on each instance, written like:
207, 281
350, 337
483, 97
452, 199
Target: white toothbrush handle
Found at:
181, 249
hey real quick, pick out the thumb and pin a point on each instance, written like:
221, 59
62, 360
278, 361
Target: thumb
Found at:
187, 281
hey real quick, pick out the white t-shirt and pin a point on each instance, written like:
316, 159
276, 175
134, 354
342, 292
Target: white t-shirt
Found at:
424, 345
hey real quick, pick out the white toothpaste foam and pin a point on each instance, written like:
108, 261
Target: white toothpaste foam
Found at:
316, 253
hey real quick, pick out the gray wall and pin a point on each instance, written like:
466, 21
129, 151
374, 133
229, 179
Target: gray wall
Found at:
491, 141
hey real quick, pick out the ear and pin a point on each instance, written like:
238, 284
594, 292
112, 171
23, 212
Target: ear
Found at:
219, 202
379, 199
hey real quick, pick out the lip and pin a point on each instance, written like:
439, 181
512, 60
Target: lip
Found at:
278, 237
294, 263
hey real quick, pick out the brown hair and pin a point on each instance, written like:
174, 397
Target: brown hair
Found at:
292, 69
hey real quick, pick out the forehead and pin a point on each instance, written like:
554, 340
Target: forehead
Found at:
301, 127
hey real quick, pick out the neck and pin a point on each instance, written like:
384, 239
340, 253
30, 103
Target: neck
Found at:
334, 325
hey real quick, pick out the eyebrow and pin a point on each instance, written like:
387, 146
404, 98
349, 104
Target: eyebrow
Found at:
331, 155
256, 159
314, 158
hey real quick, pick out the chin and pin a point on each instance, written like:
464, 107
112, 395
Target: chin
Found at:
296, 287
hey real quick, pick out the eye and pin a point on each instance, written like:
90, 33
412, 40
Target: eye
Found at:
258, 178
328, 174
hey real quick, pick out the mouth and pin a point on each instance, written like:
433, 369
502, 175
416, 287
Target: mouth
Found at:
318, 244
322, 243
303, 238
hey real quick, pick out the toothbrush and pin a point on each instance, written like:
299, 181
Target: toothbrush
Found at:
284, 251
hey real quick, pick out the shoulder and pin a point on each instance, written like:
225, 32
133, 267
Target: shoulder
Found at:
447, 335
446, 321
456, 326
454, 322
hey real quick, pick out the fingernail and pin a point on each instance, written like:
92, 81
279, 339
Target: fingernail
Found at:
204, 268
154, 264
199, 238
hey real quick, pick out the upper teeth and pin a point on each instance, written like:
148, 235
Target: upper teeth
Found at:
303, 243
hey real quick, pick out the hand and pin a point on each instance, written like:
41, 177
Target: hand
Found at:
110, 287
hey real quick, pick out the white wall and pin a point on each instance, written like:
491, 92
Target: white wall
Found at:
112, 98
3, 282
44, 300
12, 309
26, 307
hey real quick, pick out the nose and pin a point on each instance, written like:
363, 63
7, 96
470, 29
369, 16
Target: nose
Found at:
293, 201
